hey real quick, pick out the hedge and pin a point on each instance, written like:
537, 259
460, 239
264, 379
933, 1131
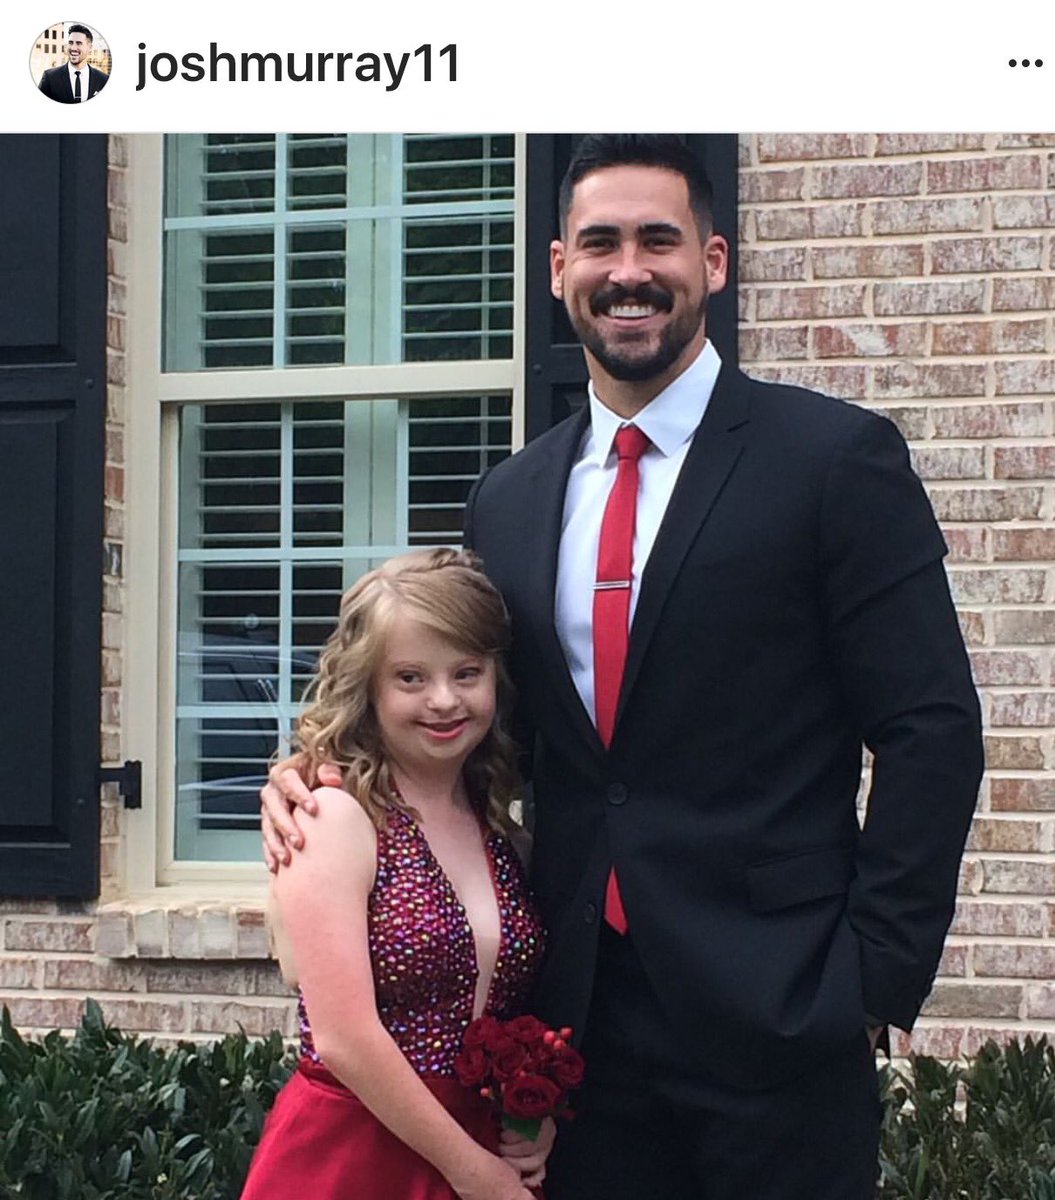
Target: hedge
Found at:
105, 1115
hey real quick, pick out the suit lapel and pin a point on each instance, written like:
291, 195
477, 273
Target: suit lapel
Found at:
712, 456
538, 556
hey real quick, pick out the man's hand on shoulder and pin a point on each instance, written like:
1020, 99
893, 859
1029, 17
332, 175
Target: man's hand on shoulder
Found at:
287, 789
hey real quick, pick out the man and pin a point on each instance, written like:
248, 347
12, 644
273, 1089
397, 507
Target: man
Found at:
726, 938
75, 81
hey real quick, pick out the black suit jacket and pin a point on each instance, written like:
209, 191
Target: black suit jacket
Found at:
794, 608
56, 84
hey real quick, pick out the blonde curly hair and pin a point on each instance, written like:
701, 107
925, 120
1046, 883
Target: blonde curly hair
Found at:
447, 591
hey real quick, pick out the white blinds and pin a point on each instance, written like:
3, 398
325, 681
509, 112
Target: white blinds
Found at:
283, 506
298, 250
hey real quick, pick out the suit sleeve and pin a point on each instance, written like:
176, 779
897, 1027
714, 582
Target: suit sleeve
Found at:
900, 659
521, 728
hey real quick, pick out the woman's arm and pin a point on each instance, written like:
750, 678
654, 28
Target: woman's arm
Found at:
322, 896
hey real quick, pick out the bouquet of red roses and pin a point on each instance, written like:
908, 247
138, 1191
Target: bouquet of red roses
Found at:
525, 1069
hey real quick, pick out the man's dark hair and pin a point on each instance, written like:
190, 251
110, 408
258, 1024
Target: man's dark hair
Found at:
80, 29
665, 150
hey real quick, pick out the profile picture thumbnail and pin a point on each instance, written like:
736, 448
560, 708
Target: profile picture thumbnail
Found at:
70, 62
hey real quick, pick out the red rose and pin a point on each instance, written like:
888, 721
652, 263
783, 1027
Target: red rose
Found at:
508, 1059
483, 1033
540, 1058
530, 1097
471, 1066
526, 1029
568, 1068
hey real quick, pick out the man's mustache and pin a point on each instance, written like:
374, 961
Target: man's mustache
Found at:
604, 300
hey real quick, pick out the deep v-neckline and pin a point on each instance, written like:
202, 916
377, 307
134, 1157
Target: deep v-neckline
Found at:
486, 837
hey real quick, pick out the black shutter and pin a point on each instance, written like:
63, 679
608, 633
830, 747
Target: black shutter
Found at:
556, 370
52, 452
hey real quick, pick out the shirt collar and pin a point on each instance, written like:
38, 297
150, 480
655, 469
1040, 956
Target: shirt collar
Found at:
670, 418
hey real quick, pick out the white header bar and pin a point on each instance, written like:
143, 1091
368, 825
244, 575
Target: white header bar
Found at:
543, 66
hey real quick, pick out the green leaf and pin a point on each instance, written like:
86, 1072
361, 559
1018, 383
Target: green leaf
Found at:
124, 1167
527, 1127
92, 1020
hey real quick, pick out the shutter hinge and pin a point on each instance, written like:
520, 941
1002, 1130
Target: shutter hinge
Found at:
129, 780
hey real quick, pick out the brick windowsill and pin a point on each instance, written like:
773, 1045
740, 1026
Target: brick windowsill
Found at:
185, 924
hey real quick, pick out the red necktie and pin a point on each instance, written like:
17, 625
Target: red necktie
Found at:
611, 609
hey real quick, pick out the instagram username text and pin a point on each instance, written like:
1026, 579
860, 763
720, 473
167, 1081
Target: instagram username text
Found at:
300, 66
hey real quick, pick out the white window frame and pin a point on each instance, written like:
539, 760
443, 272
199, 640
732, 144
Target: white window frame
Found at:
151, 508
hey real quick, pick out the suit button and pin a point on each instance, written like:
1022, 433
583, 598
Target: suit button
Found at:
617, 793
589, 914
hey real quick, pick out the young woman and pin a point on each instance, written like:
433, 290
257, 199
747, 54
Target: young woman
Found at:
406, 914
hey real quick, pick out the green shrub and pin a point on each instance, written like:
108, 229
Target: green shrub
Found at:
997, 1143
109, 1116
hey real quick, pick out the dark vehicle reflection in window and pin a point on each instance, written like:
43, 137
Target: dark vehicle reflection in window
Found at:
226, 737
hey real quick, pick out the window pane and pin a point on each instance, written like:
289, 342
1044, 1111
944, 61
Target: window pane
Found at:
318, 171
219, 174
463, 167
457, 290
298, 250
282, 507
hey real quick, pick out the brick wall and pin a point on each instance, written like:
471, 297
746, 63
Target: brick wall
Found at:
110, 741
916, 274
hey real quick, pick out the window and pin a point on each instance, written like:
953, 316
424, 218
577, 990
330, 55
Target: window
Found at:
336, 348
291, 250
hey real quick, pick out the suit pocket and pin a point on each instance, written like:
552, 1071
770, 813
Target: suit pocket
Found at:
799, 878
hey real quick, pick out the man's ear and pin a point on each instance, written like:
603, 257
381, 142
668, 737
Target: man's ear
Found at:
716, 262
556, 269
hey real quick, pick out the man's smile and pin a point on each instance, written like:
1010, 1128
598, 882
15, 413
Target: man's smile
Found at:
632, 312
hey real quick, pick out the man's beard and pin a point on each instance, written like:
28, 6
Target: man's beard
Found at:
614, 358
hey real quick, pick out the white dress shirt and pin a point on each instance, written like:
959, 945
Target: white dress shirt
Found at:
85, 76
670, 422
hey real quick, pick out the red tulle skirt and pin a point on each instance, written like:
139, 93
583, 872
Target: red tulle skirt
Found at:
321, 1143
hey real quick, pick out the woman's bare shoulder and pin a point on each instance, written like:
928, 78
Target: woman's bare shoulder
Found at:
340, 840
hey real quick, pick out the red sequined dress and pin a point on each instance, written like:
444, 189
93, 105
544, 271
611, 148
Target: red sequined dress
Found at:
320, 1142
